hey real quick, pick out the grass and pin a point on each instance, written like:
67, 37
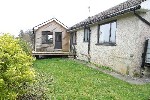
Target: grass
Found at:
75, 81
103, 67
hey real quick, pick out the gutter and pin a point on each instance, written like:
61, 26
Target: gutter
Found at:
141, 18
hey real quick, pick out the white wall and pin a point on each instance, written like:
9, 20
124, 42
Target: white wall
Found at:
125, 57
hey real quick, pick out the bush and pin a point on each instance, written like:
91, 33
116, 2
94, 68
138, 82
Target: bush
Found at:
25, 46
15, 68
41, 89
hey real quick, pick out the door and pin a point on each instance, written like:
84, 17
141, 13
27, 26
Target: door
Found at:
58, 40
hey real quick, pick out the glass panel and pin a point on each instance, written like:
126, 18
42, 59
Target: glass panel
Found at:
104, 33
58, 37
86, 35
43, 38
50, 38
113, 32
47, 37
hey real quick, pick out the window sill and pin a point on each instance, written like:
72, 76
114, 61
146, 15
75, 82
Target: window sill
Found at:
106, 44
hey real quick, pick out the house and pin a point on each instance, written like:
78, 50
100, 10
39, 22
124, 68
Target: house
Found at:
51, 37
115, 37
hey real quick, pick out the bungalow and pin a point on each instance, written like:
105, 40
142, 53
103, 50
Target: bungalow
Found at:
115, 37
51, 38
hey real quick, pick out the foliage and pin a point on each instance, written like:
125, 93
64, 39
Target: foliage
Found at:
25, 46
28, 37
75, 81
40, 89
15, 68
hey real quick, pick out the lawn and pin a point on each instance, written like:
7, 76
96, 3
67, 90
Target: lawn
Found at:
75, 81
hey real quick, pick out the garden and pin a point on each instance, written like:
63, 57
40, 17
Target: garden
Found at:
23, 77
72, 80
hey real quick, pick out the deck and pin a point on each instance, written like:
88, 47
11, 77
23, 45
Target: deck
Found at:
52, 53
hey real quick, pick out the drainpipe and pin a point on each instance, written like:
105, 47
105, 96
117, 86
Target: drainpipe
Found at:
89, 45
72, 45
34, 39
146, 42
89, 42
144, 54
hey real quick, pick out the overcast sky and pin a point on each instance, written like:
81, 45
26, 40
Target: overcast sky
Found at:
24, 14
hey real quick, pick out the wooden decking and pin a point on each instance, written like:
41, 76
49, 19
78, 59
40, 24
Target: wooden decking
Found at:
52, 53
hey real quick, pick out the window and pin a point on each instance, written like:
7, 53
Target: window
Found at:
74, 37
50, 38
107, 33
47, 37
86, 34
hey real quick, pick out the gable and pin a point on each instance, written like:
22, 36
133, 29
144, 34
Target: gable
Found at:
52, 26
48, 24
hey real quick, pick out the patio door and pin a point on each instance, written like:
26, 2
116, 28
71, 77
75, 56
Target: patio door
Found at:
58, 40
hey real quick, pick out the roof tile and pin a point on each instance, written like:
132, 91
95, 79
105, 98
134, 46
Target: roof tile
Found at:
122, 8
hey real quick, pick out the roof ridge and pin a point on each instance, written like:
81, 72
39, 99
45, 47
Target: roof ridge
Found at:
50, 20
119, 9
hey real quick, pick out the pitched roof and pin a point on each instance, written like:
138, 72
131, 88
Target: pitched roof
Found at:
127, 6
48, 21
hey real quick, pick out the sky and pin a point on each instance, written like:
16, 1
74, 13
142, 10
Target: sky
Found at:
16, 15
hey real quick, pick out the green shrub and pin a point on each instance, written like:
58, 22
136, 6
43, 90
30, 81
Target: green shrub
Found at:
25, 46
15, 68
41, 89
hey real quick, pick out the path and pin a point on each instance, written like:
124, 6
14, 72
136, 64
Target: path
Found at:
129, 79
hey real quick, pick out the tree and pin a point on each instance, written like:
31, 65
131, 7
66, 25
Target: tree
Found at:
27, 36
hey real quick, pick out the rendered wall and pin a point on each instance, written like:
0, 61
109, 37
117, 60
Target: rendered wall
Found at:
125, 57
